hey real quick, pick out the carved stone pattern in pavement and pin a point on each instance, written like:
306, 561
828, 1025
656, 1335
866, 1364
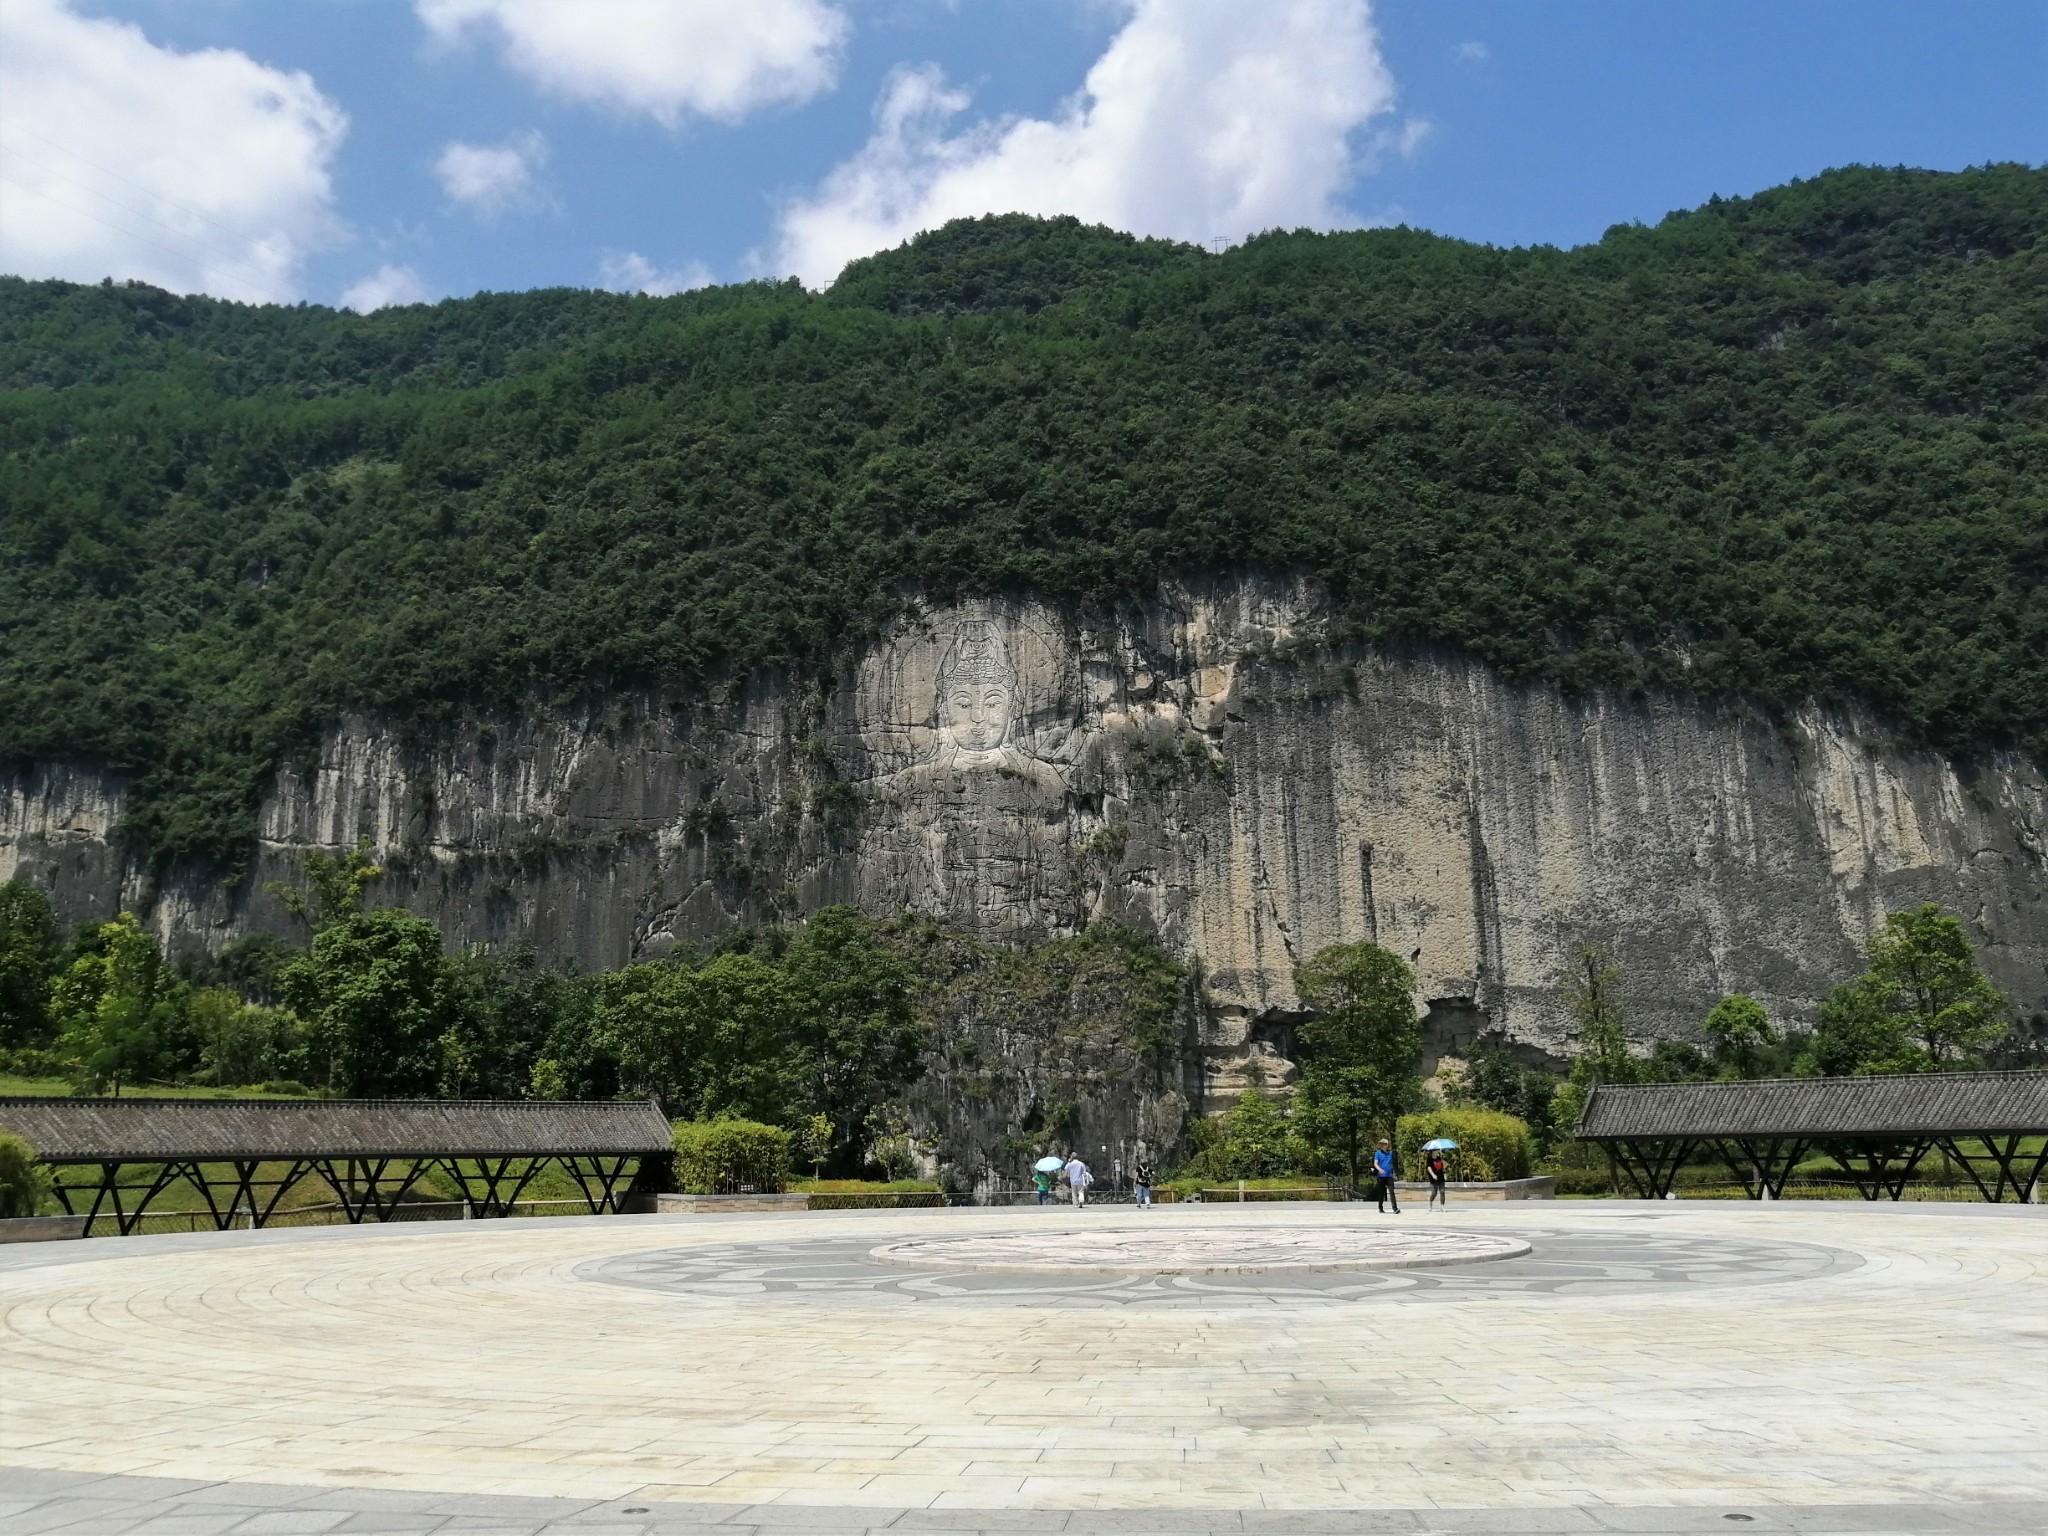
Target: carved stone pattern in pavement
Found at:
1200, 1251
1560, 1263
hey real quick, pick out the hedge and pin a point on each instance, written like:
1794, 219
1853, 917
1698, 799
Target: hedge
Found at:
1491, 1145
24, 1187
723, 1157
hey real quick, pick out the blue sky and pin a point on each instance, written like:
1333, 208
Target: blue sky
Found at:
145, 137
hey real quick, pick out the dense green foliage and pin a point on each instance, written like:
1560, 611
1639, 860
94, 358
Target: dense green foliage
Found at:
1788, 446
818, 1024
1250, 1140
1495, 1080
29, 946
1741, 1033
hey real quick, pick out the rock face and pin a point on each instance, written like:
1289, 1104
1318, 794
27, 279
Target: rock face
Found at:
1208, 768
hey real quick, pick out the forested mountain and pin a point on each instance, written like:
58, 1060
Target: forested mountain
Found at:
1789, 446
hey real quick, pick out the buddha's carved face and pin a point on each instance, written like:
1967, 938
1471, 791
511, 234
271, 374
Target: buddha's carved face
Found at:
977, 692
975, 715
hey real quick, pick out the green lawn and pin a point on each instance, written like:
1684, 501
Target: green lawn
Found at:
60, 1088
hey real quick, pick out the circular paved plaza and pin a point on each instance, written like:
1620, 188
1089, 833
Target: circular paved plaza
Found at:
1519, 1367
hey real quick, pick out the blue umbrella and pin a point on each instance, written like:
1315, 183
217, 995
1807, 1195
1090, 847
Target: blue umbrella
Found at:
1050, 1164
1441, 1144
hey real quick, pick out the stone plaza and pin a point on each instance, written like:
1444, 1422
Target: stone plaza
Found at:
1556, 1367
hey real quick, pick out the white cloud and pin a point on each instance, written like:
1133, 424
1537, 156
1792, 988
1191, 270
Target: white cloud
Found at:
667, 59
630, 272
492, 177
1471, 53
199, 172
383, 288
1203, 118
1400, 140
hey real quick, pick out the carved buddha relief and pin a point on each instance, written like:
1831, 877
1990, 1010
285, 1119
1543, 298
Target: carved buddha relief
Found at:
964, 699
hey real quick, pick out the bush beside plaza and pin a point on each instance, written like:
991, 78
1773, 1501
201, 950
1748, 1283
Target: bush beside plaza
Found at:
722, 1157
1491, 1145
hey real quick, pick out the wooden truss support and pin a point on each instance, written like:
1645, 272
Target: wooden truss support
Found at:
365, 1186
247, 1192
599, 1179
1763, 1164
2010, 1167
1650, 1165
108, 1190
496, 1183
1881, 1169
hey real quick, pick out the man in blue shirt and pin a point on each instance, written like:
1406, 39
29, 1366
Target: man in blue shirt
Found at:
1383, 1177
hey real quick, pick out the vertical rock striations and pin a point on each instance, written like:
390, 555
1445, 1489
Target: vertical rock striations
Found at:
1208, 768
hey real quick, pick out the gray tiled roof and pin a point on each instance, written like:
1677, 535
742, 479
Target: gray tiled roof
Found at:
147, 1130
1927, 1104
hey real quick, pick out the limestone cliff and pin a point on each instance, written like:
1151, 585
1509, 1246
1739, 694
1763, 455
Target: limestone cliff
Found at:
1207, 767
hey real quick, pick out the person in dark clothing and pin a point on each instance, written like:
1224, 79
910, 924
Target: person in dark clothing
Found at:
1439, 1171
1383, 1176
1141, 1177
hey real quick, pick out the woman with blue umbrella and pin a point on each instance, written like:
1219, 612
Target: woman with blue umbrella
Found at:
1438, 1170
1043, 1172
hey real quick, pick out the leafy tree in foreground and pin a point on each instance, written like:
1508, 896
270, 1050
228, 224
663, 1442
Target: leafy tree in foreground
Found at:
119, 1011
1360, 1051
374, 986
1595, 1003
1920, 1005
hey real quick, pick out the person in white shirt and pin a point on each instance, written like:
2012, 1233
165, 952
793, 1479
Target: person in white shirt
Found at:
1078, 1179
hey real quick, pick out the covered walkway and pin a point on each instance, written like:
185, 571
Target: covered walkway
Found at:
116, 1157
1878, 1129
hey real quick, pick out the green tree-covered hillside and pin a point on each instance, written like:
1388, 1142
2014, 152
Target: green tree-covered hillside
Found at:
1791, 446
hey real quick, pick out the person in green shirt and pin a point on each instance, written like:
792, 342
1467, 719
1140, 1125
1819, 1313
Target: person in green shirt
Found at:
1042, 1181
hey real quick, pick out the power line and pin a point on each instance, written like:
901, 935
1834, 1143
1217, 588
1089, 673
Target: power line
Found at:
116, 228
105, 170
171, 229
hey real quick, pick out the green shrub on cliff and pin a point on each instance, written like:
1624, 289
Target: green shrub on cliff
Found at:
1785, 446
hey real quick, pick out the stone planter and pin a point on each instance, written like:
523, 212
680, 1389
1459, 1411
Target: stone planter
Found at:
1542, 1187
704, 1205
41, 1229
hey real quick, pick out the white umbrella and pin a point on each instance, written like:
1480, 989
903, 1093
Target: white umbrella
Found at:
1049, 1164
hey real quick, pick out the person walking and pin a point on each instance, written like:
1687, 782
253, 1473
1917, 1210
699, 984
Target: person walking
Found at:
1078, 1179
1439, 1171
1041, 1180
1141, 1178
1383, 1177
